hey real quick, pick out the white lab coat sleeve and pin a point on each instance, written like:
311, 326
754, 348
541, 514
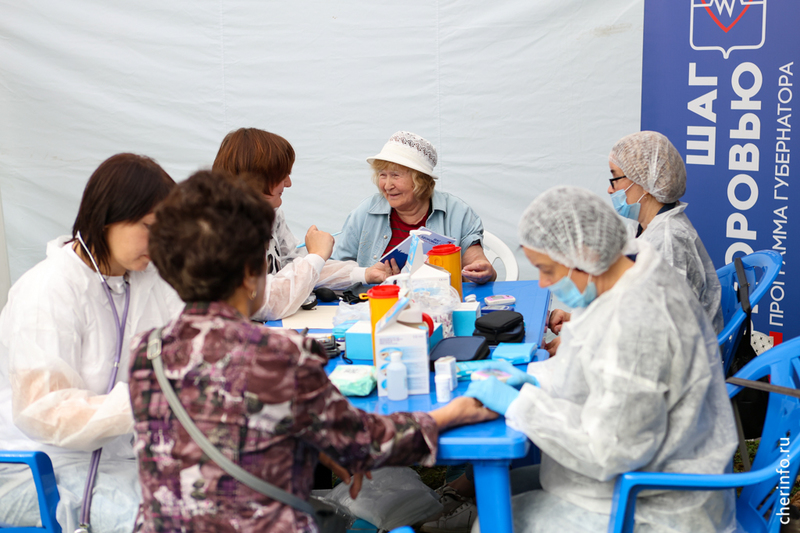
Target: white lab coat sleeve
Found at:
339, 275
286, 290
618, 420
50, 402
300, 274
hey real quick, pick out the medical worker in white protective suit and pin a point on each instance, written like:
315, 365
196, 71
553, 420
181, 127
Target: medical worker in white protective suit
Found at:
648, 178
59, 342
636, 384
264, 160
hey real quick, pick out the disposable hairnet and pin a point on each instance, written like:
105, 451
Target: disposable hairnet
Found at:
575, 228
649, 159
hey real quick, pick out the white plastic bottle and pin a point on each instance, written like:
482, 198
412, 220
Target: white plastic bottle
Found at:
396, 377
443, 394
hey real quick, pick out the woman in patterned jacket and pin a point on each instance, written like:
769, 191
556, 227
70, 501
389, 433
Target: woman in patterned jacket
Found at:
260, 395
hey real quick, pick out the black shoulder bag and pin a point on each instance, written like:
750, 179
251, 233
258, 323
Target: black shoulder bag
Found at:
751, 403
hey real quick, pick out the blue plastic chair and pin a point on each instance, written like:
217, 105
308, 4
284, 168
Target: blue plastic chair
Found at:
45, 481
761, 269
758, 505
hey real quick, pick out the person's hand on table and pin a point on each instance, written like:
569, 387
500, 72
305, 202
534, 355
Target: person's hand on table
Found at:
344, 474
477, 267
493, 393
461, 411
557, 319
479, 272
552, 346
518, 377
319, 243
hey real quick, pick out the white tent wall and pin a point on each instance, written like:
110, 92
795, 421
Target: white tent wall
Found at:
516, 96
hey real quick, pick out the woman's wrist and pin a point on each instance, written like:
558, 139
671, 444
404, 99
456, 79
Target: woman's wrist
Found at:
445, 417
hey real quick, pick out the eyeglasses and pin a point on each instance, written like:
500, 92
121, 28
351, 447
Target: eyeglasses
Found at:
612, 180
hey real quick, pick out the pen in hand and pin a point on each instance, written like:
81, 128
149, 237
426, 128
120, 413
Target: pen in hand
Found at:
303, 245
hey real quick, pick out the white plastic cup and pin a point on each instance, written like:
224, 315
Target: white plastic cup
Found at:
442, 388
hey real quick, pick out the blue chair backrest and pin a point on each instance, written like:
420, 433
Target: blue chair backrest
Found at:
46, 489
758, 507
761, 269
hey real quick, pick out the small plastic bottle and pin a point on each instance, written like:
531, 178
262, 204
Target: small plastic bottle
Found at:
396, 377
443, 394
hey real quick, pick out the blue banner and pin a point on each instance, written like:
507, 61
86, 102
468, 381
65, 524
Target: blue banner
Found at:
718, 78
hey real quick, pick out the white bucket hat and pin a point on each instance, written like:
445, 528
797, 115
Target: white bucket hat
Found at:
410, 150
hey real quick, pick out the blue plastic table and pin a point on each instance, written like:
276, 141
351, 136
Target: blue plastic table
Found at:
490, 446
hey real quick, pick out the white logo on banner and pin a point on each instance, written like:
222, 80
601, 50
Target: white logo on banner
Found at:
728, 25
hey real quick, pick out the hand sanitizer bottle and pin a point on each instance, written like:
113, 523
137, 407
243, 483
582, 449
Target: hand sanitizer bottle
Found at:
396, 377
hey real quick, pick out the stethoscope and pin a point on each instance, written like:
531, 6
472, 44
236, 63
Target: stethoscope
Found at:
84, 526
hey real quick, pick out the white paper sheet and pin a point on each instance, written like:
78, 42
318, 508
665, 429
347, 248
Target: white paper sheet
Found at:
321, 317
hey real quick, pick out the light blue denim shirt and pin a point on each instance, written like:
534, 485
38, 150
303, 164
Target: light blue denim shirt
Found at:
366, 232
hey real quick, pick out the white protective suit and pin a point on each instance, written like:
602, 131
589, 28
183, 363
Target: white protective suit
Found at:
57, 347
672, 234
637, 385
299, 273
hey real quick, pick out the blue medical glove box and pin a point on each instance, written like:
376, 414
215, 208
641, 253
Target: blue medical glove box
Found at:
358, 340
464, 318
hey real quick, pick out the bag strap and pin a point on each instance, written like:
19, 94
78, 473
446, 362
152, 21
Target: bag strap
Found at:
742, 356
757, 385
744, 287
766, 387
744, 299
744, 353
237, 472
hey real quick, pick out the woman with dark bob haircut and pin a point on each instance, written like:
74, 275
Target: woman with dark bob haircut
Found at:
265, 160
64, 333
260, 395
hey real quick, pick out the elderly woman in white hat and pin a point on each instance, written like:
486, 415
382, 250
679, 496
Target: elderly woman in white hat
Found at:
648, 178
403, 173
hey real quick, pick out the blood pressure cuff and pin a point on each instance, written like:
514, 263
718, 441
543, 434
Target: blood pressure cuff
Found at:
500, 326
462, 348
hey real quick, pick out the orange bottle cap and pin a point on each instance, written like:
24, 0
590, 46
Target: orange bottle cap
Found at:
444, 249
384, 291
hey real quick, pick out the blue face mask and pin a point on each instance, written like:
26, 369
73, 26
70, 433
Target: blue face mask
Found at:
566, 291
621, 205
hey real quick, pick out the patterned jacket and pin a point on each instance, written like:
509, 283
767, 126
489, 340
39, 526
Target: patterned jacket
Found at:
263, 398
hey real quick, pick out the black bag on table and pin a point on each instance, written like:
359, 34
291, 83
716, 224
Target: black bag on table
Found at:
500, 326
462, 348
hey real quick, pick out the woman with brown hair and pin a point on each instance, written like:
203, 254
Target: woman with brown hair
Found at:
64, 333
260, 395
265, 160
